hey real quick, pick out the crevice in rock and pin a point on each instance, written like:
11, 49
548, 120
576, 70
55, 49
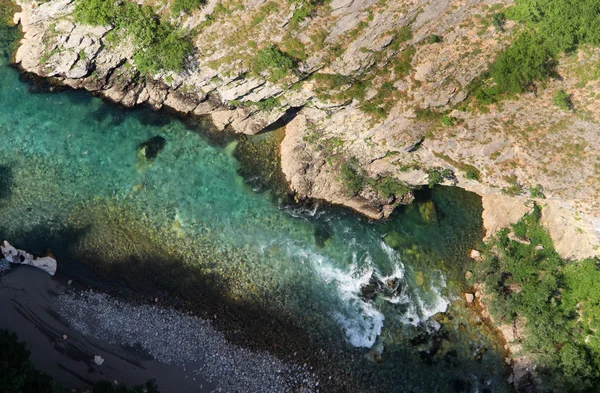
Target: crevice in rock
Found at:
289, 115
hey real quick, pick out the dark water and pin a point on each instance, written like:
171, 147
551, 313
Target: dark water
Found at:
73, 179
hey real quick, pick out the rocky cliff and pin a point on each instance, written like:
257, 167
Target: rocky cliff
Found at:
376, 91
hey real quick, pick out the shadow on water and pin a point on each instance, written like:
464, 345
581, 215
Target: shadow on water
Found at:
154, 273
6, 180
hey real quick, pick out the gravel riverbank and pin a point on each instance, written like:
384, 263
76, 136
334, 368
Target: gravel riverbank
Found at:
66, 328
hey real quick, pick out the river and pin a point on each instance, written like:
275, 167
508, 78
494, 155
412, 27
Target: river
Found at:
187, 226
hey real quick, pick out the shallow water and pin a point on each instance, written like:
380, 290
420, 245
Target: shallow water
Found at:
71, 176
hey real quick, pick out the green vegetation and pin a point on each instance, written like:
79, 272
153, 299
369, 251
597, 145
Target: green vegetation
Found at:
528, 280
562, 100
186, 6
352, 176
402, 63
268, 104
526, 61
160, 46
17, 374
263, 12
549, 28
468, 170
437, 175
338, 87
388, 187
354, 179
499, 20
449, 121
401, 36
537, 191
514, 188
382, 103
273, 60
434, 39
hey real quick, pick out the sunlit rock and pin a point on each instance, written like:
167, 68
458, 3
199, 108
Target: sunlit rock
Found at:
13, 255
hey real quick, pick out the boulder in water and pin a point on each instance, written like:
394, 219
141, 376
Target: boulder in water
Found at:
150, 149
428, 212
13, 255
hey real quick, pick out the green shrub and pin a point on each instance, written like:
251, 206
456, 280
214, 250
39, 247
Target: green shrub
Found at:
526, 61
499, 20
434, 39
449, 121
159, 45
268, 104
402, 63
537, 191
388, 187
273, 60
550, 28
471, 173
562, 100
179, 6
352, 176
532, 282
17, 373
404, 34
437, 175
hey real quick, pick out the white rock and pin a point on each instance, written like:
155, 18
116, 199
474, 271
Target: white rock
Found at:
469, 297
476, 255
13, 255
98, 360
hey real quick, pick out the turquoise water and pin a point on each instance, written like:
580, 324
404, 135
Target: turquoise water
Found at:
69, 161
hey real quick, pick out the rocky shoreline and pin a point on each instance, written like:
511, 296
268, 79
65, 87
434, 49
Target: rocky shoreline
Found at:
83, 57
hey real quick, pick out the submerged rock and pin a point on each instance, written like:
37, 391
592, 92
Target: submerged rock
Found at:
428, 212
149, 150
13, 255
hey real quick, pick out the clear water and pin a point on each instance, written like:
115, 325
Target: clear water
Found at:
68, 162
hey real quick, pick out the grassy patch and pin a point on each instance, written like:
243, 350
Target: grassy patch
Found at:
562, 100
185, 6
159, 45
273, 60
352, 176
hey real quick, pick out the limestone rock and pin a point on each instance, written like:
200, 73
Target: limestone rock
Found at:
13, 255
475, 255
469, 297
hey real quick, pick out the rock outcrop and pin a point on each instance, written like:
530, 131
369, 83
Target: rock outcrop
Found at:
13, 255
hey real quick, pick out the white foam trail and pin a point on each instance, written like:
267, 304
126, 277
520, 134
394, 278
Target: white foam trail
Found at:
361, 321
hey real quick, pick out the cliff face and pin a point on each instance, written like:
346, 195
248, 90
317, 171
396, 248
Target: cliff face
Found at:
366, 80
